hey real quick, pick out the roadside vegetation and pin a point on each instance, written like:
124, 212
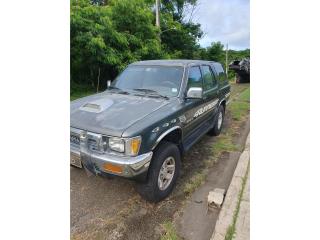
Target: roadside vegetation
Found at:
240, 107
195, 181
79, 91
224, 144
170, 232
245, 95
107, 35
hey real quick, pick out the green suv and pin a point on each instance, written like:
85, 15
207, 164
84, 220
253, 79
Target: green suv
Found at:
152, 113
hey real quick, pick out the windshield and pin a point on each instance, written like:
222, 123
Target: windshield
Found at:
165, 80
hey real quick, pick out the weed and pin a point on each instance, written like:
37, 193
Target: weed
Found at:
224, 144
239, 110
170, 231
245, 95
195, 182
240, 107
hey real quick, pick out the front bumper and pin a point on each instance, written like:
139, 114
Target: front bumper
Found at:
96, 162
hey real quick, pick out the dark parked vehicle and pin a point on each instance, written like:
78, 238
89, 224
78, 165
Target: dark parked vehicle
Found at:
242, 70
152, 113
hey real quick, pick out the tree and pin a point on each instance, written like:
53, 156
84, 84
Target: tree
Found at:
215, 52
177, 8
135, 20
179, 37
106, 38
107, 35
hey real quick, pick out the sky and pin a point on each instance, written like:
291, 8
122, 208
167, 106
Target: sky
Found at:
227, 21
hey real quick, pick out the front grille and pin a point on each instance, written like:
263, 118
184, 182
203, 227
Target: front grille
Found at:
92, 141
93, 145
74, 139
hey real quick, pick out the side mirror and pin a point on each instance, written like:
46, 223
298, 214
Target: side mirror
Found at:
194, 92
108, 83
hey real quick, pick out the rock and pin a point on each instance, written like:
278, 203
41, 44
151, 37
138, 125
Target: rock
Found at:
215, 197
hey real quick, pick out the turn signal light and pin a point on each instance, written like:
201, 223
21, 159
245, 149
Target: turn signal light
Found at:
112, 168
135, 145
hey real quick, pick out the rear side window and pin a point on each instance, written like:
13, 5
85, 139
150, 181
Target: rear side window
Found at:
220, 72
194, 77
209, 80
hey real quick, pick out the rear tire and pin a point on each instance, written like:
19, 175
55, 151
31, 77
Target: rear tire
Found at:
166, 155
217, 127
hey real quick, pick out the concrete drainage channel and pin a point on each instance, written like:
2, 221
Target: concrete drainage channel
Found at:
196, 219
226, 226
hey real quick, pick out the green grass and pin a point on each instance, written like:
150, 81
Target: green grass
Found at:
239, 107
232, 228
79, 91
170, 232
77, 95
245, 95
194, 182
224, 144
239, 110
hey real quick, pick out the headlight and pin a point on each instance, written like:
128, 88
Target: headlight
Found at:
116, 144
129, 146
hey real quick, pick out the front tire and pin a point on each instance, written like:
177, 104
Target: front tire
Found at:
163, 173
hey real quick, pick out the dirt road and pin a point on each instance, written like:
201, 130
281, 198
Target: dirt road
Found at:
103, 208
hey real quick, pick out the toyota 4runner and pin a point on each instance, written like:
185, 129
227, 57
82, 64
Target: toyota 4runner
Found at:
152, 113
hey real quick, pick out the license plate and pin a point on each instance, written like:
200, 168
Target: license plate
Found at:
75, 160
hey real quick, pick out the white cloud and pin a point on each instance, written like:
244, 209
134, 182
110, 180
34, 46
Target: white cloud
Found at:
227, 21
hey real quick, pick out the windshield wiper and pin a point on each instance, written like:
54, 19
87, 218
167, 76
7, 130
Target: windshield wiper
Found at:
150, 92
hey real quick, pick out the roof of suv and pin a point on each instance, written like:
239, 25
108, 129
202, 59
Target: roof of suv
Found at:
175, 62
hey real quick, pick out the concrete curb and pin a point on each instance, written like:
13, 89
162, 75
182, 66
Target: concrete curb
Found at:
230, 202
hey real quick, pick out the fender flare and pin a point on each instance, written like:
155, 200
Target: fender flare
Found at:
165, 133
225, 98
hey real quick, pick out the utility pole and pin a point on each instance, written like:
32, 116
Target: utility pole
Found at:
227, 60
158, 13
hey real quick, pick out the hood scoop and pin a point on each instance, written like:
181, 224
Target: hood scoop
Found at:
97, 106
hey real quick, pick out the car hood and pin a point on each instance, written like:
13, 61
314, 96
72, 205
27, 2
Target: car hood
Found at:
111, 113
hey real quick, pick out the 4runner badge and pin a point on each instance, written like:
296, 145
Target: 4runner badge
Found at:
206, 108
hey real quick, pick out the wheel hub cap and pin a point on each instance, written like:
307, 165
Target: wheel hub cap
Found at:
166, 173
220, 117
